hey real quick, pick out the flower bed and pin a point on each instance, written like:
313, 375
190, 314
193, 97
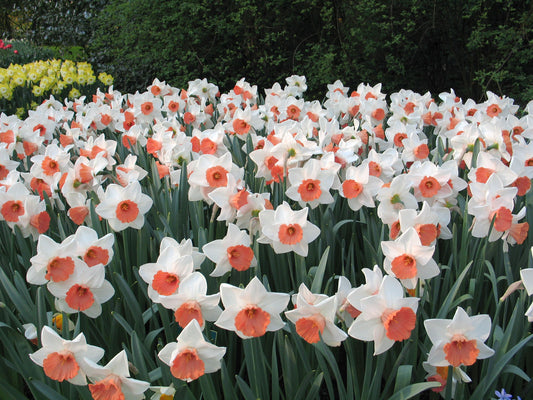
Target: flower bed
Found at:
23, 87
192, 243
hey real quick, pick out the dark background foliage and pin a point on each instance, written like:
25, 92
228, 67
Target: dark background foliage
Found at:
468, 45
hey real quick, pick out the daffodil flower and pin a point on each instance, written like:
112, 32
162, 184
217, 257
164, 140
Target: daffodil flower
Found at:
191, 356
386, 317
251, 311
287, 230
459, 341
65, 359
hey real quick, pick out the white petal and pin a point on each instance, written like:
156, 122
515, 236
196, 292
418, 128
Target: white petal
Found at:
436, 329
333, 335
364, 329
165, 354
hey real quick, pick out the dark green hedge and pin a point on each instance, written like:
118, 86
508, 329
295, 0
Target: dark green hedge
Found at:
469, 45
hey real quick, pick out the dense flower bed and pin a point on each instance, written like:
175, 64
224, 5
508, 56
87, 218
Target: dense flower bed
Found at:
266, 246
23, 87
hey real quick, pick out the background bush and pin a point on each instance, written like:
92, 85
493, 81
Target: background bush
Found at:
469, 45
26, 53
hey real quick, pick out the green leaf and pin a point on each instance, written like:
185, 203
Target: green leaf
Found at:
453, 292
8, 392
45, 391
255, 366
41, 308
275, 373
403, 377
129, 299
339, 224
138, 358
208, 389
475, 152
120, 319
149, 313
315, 387
316, 286
513, 369
155, 374
149, 339
495, 372
461, 299
288, 361
412, 390
325, 351
304, 385
24, 307
247, 393
228, 387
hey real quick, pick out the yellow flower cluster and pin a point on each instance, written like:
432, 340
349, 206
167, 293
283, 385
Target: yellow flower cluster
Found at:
51, 76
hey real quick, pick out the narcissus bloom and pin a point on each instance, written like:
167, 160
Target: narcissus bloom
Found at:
296, 85
53, 261
345, 311
183, 248
359, 187
12, 203
248, 214
316, 319
85, 290
386, 317
373, 278
244, 121
395, 197
209, 141
425, 223
383, 165
287, 230
35, 220
408, 260
124, 207
440, 374
50, 165
229, 199
310, 184
113, 380
459, 341
6, 164
430, 182
304, 295
191, 356
231, 252
488, 165
192, 302
164, 276
491, 201
251, 311
91, 249
30, 333
129, 171
83, 176
163, 392
65, 360
100, 145
210, 172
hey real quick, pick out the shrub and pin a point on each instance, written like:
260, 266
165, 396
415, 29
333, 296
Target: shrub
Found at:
473, 46
25, 53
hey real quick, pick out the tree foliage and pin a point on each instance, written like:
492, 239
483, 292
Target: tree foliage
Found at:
469, 45
58, 22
